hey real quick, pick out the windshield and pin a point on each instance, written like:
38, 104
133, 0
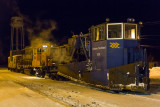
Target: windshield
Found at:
130, 31
115, 31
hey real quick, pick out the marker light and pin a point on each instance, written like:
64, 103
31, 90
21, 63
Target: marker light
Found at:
44, 45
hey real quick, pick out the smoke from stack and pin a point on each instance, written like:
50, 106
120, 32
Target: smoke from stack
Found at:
41, 32
38, 31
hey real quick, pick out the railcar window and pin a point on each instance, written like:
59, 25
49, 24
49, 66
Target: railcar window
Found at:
99, 33
63, 51
114, 31
130, 31
39, 50
93, 34
67, 50
96, 34
44, 49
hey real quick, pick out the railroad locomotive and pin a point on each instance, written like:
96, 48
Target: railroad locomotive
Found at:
109, 56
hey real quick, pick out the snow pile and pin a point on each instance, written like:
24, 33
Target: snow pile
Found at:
155, 72
32, 77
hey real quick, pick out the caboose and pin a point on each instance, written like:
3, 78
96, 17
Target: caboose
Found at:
109, 57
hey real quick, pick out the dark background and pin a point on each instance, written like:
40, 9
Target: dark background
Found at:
78, 15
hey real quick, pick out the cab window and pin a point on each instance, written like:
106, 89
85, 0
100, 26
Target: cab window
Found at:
98, 33
115, 31
44, 49
38, 50
130, 31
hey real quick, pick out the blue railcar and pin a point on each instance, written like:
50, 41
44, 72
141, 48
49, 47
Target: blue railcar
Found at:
113, 58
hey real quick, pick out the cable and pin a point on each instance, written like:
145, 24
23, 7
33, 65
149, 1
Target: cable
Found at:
156, 22
149, 35
150, 46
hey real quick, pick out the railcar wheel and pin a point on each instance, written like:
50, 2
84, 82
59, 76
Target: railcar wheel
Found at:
36, 74
43, 74
47, 76
22, 71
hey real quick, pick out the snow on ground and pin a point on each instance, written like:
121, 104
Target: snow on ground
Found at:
15, 95
70, 93
32, 77
155, 72
155, 80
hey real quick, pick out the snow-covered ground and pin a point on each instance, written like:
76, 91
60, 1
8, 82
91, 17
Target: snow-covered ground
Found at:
155, 72
15, 95
39, 91
155, 80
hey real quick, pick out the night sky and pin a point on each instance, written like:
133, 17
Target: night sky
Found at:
78, 15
